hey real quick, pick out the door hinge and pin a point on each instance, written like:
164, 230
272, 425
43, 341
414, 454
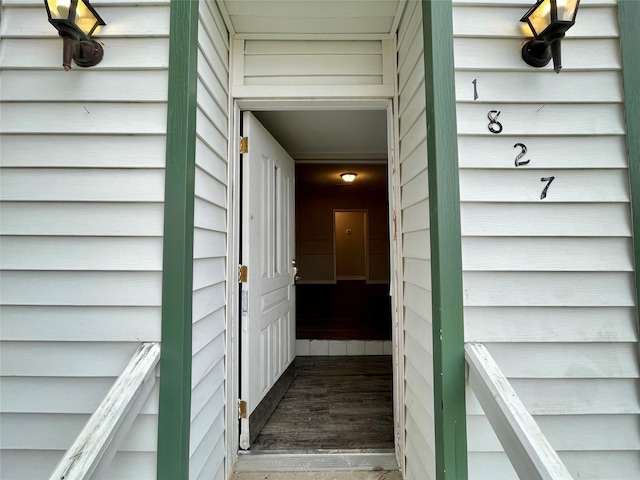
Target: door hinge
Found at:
242, 409
243, 272
244, 145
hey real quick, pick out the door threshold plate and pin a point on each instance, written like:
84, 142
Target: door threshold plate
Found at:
315, 460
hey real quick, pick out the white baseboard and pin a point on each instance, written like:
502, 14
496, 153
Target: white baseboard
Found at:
343, 347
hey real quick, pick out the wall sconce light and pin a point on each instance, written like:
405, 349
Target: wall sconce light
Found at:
349, 177
548, 20
76, 21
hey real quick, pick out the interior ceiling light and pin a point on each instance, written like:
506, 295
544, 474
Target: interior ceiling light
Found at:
348, 176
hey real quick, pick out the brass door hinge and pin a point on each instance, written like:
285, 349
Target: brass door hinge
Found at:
242, 409
244, 145
243, 272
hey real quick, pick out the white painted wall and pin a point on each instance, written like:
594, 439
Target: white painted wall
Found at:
418, 345
83, 156
548, 284
207, 442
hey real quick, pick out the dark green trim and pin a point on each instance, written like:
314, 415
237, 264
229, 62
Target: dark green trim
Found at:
629, 13
174, 417
446, 253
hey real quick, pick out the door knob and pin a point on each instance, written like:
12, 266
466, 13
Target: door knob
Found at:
294, 271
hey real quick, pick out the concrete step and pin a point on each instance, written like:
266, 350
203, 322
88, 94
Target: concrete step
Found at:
342, 475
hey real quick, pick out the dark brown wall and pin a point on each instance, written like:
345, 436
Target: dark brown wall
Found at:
320, 191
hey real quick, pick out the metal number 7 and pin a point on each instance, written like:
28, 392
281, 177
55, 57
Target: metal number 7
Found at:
543, 195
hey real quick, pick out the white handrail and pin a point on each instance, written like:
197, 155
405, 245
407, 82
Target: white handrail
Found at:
529, 451
98, 442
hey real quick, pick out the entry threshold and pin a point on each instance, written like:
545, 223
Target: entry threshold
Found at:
315, 460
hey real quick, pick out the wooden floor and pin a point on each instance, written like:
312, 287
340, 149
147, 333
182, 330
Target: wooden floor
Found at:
334, 403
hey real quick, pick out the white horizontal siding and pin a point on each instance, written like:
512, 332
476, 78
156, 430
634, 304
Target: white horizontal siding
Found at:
602, 396
64, 359
617, 465
313, 67
478, 21
77, 185
522, 87
548, 282
90, 253
540, 289
84, 117
79, 323
548, 254
70, 288
524, 185
545, 219
499, 54
81, 219
82, 186
547, 324
57, 431
61, 395
207, 435
500, 151
120, 53
568, 432
19, 465
419, 434
98, 151
313, 62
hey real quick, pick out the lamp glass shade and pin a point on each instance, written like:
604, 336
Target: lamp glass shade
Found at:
59, 9
547, 15
349, 177
539, 18
86, 18
567, 10
73, 16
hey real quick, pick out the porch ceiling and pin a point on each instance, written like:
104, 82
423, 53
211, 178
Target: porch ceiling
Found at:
330, 136
312, 18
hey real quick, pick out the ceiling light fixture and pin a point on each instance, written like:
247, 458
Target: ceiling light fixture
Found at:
349, 177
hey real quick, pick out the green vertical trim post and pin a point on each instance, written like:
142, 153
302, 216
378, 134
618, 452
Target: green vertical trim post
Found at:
174, 417
446, 251
629, 14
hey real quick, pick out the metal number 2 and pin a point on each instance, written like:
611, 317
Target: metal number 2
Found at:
494, 125
521, 154
543, 195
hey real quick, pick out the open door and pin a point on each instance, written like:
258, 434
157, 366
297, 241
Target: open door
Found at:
267, 341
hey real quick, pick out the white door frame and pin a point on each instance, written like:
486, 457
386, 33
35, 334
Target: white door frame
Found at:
233, 243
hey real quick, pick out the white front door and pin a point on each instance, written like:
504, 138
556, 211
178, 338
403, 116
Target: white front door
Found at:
268, 247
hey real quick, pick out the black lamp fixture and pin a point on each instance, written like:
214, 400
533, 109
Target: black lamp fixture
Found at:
76, 21
549, 20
